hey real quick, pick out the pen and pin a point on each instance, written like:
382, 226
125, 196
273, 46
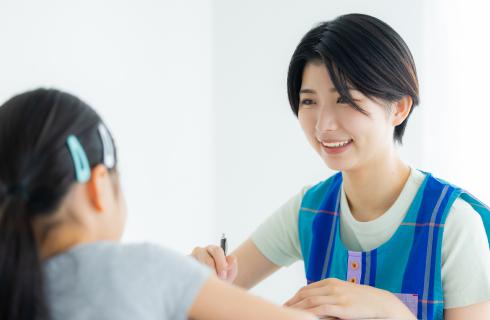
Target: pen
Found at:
223, 244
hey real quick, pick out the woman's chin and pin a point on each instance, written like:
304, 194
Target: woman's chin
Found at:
337, 164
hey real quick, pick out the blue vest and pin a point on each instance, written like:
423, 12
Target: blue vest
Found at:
408, 265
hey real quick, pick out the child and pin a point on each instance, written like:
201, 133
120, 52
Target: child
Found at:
379, 232
62, 213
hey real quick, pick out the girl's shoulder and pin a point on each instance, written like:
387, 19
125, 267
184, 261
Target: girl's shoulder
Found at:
107, 257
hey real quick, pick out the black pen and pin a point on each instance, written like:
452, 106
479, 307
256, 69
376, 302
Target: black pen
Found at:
223, 244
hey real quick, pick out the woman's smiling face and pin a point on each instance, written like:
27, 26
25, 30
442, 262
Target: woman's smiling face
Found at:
344, 137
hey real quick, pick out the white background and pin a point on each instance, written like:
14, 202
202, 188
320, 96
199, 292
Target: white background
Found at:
195, 94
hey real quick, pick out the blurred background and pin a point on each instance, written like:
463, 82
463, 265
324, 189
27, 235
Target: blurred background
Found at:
195, 94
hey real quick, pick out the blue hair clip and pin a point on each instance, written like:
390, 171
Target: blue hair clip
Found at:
80, 161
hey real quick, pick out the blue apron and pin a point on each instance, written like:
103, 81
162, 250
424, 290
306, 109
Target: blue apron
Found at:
408, 264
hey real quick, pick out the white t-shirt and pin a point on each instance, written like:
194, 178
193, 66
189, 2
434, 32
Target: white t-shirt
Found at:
465, 252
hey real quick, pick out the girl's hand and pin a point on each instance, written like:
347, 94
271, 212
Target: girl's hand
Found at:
226, 267
341, 299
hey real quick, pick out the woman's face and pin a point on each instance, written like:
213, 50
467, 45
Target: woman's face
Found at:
345, 138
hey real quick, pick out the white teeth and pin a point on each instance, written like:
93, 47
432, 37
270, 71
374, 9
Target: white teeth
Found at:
335, 144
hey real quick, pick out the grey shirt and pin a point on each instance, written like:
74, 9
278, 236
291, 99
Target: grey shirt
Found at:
108, 280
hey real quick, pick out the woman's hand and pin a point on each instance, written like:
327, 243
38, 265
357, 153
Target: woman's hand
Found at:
341, 299
226, 267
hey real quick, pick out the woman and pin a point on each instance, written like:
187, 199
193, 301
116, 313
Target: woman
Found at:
62, 213
379, 238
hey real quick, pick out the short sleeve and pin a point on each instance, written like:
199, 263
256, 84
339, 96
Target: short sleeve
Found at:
465, 258
179, 279
277, 237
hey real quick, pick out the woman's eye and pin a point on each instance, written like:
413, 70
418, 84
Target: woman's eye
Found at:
307, 102
342, 100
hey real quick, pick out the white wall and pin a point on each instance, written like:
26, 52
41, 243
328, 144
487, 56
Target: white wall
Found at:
455, 83
146, 67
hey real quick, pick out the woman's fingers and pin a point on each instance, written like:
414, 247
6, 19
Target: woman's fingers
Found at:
221, 265
321, 306
232, 268
327, 311
307, 292
314, 301
226, 268
202, 255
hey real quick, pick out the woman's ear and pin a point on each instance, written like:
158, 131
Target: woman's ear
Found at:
401, 110
98, 188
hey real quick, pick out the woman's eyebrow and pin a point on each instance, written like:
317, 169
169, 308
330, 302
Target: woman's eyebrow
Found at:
306, 90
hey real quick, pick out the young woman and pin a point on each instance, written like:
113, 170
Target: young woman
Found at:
62, 213
379, 239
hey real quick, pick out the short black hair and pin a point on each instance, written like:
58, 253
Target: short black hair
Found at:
359, 52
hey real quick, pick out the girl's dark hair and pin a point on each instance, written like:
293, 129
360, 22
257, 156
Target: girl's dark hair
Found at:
36, 171
362, 53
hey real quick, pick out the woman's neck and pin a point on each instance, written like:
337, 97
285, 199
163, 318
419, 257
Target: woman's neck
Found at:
372, 189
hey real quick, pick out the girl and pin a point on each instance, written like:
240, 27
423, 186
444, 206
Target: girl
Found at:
379, 239
62, 213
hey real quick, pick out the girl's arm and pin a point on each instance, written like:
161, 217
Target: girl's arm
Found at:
219, 300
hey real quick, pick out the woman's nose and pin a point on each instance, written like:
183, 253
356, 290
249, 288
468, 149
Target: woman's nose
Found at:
325, 119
